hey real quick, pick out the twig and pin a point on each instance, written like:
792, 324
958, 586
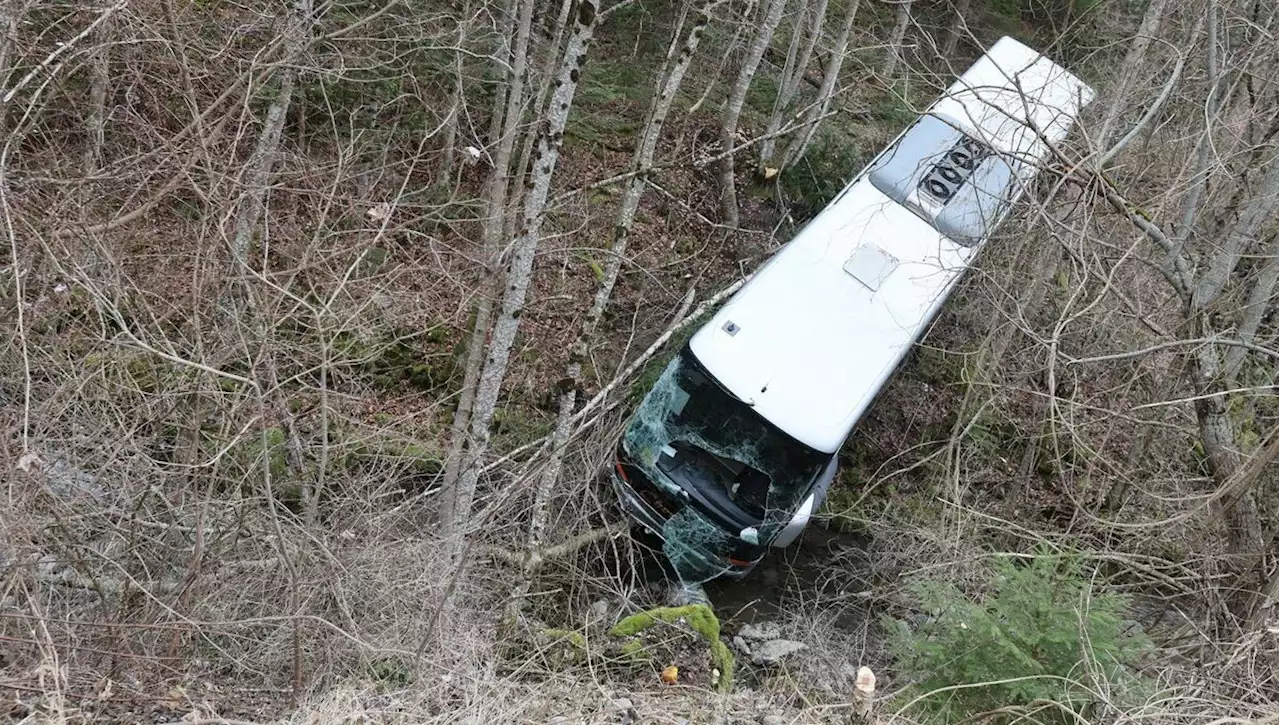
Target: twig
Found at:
702, 164
62, 48
564, 548
1146, 117
1175, 343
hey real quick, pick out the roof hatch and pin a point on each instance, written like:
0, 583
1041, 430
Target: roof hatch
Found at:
870, 265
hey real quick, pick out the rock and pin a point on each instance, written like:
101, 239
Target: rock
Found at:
761, 632
775, 650
600, 609
685, 594
741, 645
772, 720
621, 703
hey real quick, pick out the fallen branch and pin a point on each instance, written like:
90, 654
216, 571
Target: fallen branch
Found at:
557, 551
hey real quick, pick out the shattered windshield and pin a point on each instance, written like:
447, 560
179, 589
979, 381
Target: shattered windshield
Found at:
692, 433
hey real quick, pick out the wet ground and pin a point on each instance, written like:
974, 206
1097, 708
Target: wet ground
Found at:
822, 562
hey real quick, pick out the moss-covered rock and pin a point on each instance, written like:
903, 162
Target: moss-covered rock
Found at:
696, 617
416, 456
634, 652
564, 646
572, 638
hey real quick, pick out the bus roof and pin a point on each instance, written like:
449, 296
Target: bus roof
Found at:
812, 338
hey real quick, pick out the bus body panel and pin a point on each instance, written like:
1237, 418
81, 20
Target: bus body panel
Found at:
811, 339
808, 343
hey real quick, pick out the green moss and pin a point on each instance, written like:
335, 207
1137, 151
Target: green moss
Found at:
515, 425
697, 617
373, 262
596, 269
143, 374
389, 673
634, 652
275, 448
574, 639
423, 360
722, 659
566, 645
419, 457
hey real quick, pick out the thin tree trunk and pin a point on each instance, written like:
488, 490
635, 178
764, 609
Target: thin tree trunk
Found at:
961, 26
457, 97
99, 83
551, 54
520, 269
668, 84
1217, 272
792, 76
504, 125
1256, 308
1200, 181
252, 204
724, 61
733, 107
903, 14
1134, 63
800, 142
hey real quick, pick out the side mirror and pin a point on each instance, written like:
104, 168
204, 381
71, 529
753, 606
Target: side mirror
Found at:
799, 520
804, 511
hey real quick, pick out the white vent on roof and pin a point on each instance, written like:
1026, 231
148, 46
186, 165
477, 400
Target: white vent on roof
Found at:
871, 266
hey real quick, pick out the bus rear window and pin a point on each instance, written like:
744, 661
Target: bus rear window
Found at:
954, 181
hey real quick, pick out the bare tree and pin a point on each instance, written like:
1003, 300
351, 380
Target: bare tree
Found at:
519, 272
258, 170
830, 76
1199, 256
506, 122
668, 84
457, 97
733, 106
1134, 61
902, 19
793, 75
99, 87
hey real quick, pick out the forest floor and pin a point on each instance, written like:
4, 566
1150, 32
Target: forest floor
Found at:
950, 464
